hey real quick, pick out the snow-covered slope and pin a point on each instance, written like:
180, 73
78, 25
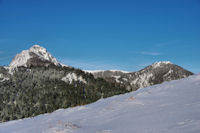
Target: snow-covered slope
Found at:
172, 107
35, 51
70, 77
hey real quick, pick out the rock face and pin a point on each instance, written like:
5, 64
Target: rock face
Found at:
36, 56
150, 75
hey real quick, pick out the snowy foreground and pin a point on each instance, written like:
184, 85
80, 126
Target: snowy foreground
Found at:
172, 107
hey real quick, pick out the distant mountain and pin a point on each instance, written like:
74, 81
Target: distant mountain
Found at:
35, 83
150, 75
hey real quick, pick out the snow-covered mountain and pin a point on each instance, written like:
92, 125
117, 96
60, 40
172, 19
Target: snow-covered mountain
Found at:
35, 83
153, 74
171, 107
36, 55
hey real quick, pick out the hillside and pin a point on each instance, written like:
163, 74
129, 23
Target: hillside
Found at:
36, 83
171, 107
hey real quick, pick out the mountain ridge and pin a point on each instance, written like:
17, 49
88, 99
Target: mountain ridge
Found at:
36, 83
155, 64
164, 70
156, 73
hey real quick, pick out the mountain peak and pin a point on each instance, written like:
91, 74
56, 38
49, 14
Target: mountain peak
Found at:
38, 48
160, 63
35, 53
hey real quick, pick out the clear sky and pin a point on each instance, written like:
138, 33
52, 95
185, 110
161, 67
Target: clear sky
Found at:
104, 34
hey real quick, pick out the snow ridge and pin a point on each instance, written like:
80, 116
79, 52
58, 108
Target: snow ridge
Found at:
97, 71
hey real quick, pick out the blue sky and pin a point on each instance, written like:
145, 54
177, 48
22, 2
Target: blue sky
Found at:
104, 34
